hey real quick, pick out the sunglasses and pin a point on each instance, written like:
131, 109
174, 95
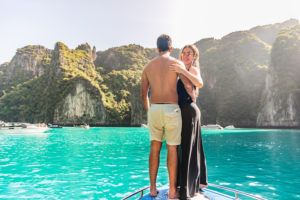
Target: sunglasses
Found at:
187, 53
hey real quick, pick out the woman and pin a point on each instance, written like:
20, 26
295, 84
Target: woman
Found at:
192, 166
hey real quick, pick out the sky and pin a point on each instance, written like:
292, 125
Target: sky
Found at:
110, 23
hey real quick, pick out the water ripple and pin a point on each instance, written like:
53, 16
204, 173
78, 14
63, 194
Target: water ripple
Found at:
85, 164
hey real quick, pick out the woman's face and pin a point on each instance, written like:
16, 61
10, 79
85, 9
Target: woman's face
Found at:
187, 56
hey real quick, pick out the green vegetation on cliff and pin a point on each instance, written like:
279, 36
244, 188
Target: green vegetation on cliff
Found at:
113, 85
285, 63
28, 62
121, 68
36, 99
268, 33
234, 71
39, 85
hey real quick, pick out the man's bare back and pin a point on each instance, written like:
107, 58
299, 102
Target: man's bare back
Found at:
164, 120
162, 80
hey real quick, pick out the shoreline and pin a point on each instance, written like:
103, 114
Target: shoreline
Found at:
141, 125
144, 125
270, 127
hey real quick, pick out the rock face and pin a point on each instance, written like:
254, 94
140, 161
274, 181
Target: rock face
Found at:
233, 70
78, 106
281, 99
268, 33
81, 99
29, 62
122, 68
247, 82
138, 113
65, 88
277, 112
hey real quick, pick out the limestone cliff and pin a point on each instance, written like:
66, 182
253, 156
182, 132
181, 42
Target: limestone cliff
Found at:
29, 61
281, 99
66, 90
247, 82
268, 33
80, 107
276, 111
81, 98
122, 68
138, 113
233, 69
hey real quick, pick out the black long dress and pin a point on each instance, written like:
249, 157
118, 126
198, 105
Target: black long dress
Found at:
191, 158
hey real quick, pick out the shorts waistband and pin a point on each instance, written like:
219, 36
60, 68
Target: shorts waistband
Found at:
164, 105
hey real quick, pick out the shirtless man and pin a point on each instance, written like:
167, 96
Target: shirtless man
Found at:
164, 116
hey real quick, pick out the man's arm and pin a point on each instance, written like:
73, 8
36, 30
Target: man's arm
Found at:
144, 90
189, 87
193, 75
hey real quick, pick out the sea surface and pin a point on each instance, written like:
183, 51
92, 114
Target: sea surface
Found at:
110, 163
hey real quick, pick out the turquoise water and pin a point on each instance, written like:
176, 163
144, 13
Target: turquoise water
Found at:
109, 163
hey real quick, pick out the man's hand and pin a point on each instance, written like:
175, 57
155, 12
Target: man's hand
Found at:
189, 87
177, 66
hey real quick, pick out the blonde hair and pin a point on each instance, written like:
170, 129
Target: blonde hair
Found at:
195, 50
195, 62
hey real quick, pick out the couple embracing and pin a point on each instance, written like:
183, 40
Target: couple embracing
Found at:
173, 115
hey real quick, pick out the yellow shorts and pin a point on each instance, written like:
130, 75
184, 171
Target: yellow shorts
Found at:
164, 121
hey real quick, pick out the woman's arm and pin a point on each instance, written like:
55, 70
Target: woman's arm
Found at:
193, 75
189, 87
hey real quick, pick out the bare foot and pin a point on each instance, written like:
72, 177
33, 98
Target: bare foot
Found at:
173, 195
153, 192
202, 186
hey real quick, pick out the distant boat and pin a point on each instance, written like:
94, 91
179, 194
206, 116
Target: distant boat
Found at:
212, 126
54, 126
144, 125
229, 127
85, 126
22, 128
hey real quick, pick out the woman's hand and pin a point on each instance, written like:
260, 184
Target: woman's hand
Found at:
177, 66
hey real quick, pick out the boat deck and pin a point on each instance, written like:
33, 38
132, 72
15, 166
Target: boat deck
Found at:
205, 195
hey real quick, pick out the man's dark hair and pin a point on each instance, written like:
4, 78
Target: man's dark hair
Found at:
164, 43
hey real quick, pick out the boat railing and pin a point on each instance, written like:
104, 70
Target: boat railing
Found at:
137, 192
236, 192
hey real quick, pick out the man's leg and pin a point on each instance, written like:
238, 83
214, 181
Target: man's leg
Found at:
172, 169
153, 165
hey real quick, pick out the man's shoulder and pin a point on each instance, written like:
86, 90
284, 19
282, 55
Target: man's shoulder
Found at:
155, 59
151, 62
147, 66
172, 58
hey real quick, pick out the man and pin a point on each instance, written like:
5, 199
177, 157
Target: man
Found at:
164, 116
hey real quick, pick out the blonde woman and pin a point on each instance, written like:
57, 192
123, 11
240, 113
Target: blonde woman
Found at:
191, 161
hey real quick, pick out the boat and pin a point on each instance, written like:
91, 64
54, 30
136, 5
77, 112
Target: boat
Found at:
54, 126
209, 193
212, 126
1, 123
85, 126
229, 127
22, 128
144, 125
